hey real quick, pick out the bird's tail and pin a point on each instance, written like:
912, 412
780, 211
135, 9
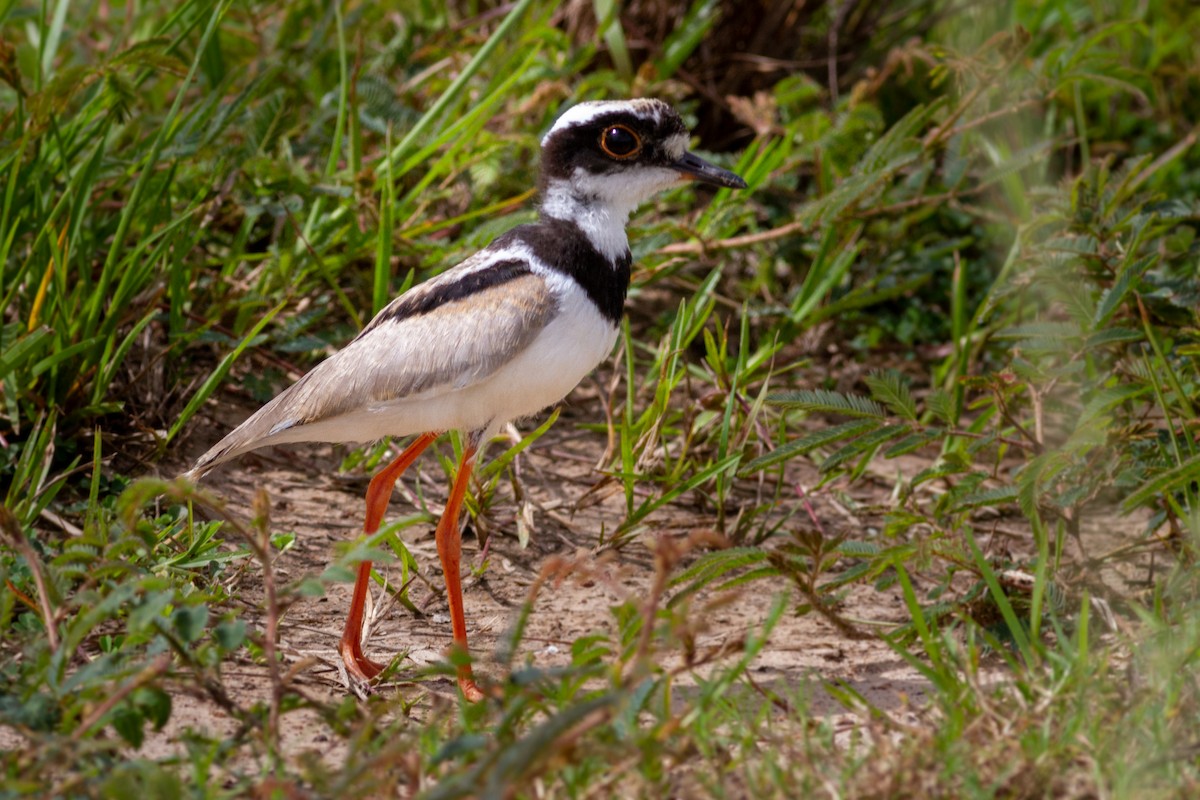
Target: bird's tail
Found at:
275, 423
205, 463
243, 439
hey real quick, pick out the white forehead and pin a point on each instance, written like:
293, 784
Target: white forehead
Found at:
585, 112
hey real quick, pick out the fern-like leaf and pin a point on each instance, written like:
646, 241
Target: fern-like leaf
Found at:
913, 442
1169, 480
1104, 401
899, 144
856, 548
858, 572
765, 571
1016, 162
888, 387
1041, 470
1040, 330
808, 442
1116, 294
941, 404
719, 562
865, 444
1111, 336
1001, 495
942, 470
822, 400
713, 566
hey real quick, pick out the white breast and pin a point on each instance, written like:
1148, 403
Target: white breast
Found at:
568, 349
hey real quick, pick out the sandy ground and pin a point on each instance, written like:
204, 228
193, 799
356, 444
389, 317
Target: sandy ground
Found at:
567, 519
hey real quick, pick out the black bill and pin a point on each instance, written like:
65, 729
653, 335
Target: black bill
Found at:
693, 166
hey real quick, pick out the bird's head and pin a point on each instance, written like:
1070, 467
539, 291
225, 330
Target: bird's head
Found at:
619, 153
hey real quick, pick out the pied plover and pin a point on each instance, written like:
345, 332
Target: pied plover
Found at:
506, 333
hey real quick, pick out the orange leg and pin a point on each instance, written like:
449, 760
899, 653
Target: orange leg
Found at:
378, 494
449, 545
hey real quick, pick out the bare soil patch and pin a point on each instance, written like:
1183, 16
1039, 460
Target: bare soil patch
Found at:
556, 474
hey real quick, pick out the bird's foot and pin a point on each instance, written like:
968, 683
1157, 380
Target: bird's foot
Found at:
357, 664
469, 689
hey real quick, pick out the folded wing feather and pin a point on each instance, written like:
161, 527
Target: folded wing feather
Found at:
443, 348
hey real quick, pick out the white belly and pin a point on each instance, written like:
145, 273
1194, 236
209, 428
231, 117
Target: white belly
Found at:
570, 346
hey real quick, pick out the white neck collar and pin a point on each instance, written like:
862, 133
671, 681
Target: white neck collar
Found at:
601, 220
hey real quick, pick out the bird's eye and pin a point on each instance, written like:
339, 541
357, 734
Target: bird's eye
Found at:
620, 142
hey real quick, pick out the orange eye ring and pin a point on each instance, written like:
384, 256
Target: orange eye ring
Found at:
620, 142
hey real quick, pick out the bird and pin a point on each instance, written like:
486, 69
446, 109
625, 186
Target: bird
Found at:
496, 338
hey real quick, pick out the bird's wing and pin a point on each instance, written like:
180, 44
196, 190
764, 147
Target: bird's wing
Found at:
441, 336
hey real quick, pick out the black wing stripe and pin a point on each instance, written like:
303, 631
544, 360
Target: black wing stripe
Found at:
417, 303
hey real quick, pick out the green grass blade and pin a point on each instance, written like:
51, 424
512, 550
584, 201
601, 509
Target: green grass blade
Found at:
215, 379
455, 91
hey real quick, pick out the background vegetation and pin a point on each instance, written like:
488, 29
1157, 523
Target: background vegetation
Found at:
970, 239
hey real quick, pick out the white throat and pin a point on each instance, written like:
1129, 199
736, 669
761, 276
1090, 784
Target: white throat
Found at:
600, 219
601, 204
